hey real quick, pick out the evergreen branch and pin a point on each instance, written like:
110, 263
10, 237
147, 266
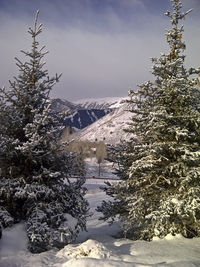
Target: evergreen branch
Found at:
9, 98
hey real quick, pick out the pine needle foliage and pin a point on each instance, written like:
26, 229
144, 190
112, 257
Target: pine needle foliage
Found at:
34, 168
160, 169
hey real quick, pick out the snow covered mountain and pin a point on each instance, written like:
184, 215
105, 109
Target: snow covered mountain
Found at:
101, 103
98, 119
108, 129
80, 115
62, 105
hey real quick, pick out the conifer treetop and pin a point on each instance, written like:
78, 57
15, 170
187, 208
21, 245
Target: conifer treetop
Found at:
35, 31
33, 80
174, 36
171, 65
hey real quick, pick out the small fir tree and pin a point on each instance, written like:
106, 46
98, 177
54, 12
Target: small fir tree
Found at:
160, 190
34, 168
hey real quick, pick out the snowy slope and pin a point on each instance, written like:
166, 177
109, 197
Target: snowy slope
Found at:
98, 247
109, 128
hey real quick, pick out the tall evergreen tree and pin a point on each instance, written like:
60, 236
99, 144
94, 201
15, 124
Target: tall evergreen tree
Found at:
34, 168
160, 169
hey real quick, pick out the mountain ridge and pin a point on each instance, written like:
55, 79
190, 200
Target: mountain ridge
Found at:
109, 128
83, 113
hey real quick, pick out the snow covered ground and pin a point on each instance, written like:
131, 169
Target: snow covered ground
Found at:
106, 169
98, 247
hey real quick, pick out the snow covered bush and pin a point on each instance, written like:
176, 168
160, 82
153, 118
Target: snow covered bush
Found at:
160, 169
34, 168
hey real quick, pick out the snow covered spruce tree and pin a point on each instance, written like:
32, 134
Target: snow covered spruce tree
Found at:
34, 169
160, 190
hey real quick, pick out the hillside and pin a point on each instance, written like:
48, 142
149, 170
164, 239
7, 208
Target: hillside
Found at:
109, 128
80, 115
62, 105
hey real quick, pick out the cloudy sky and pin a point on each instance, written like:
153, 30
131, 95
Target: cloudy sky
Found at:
102, 47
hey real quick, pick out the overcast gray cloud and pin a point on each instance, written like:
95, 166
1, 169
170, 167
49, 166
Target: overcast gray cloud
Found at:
102, 52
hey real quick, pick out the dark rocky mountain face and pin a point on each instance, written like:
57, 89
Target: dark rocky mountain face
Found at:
84, 117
